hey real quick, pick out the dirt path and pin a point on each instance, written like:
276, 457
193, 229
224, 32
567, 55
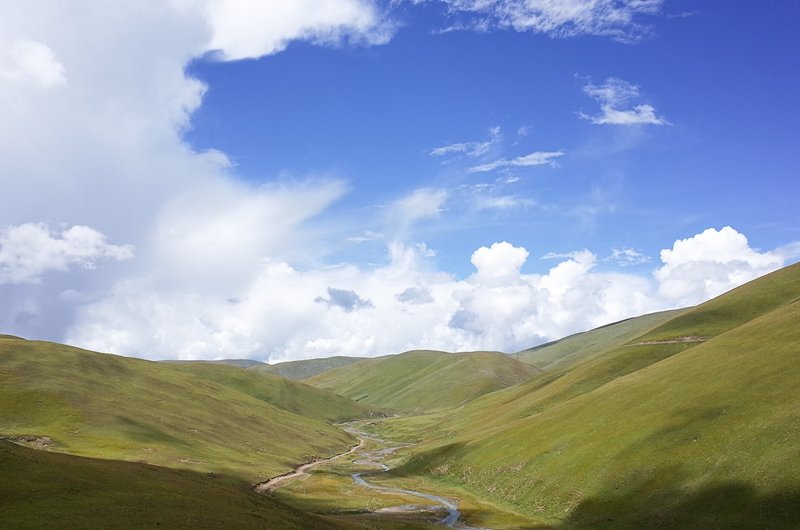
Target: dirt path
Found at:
268, 486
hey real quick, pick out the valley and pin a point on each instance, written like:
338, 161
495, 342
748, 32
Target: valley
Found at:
686, 419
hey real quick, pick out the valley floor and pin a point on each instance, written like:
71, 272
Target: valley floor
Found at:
361, 489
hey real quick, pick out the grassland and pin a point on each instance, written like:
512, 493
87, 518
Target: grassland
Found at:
424, 380
295, 397
684, 420
113, 407
668, 435
572, 350
42, 490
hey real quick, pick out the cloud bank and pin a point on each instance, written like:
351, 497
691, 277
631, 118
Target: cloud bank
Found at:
286, 313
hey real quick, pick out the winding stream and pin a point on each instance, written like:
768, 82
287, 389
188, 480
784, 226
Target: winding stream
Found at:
374, 457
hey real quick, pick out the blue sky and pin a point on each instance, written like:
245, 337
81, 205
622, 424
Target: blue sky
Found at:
273, 180
723, 74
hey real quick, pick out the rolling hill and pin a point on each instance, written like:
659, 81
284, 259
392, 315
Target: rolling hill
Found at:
660, 432
297, 370
575, 348
50, 490
424, 380
113, 407
296, 397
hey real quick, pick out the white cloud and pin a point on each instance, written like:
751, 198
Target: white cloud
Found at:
626, 257
617, 19
33, 62
537, 158
502, 202
285, 313
710, 263
615, 93
253, 28
471, 149
114, 156
30, 250
422, 203
499, 262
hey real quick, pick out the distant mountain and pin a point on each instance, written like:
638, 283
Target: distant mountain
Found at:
424, 380
692, 424
241, 363
297, 370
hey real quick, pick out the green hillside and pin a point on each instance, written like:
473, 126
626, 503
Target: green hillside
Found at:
107, 406
50, 490
424, 380
581, 346
296, 397
690, 435
297, 370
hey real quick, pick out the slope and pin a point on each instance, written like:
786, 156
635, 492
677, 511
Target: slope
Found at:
50, 490
297, 370
424, 380
703, 437
575, 348
120, 408
293, 396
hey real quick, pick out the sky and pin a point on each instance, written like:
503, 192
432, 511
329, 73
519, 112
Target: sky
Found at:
205, 179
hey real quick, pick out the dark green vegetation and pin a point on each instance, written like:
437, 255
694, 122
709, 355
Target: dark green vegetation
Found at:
288, 395
424, 380
657, 433
297, 370
50, 490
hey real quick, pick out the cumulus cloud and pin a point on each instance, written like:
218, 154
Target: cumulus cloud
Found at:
612, 95
30, 250
537, 158
710, 263
253, 28
407, 303
617, 19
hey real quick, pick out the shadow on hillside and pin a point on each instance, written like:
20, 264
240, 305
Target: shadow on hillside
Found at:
732, 505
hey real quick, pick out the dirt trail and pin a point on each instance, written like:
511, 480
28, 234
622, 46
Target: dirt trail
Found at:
268, 486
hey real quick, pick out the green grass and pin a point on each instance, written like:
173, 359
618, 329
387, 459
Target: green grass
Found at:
42, 490
293, 396
572, 350
297, 370
424, 380
699, 435
107, 406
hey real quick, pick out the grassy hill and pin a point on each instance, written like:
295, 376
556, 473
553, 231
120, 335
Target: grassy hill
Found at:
107, 406
581, 346
50, 490
297, 370
424, 380
296, 397
658, 433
